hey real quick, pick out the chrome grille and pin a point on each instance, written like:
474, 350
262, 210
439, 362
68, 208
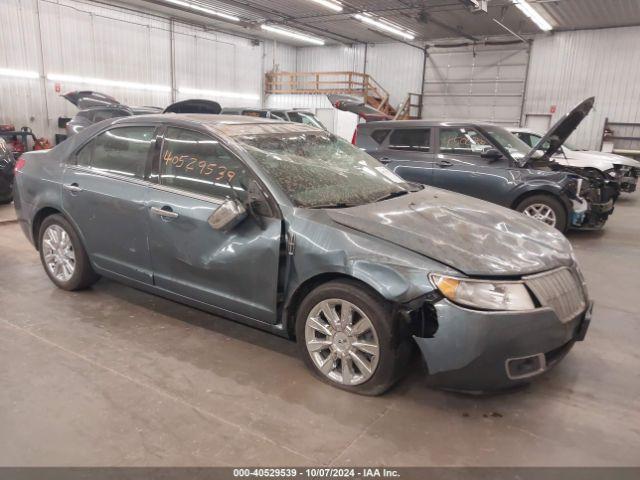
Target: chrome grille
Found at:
560, 290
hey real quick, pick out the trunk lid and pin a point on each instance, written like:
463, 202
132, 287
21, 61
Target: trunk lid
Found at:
87, 98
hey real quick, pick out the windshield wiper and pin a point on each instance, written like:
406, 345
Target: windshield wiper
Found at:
391, 195
333, 205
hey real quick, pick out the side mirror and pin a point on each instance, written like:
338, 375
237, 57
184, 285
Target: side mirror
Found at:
492, 154
227, 215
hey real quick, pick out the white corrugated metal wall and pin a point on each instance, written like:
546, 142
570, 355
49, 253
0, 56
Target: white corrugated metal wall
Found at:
84, 39
483, 83
568, 67
397, 67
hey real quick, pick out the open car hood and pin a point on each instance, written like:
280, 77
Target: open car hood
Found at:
356, 105
87, 98
194, 106
563, 128
475, 237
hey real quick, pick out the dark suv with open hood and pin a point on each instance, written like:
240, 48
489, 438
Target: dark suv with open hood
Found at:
489, 162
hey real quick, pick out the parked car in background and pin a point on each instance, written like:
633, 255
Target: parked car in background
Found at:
487, 161
289, 228
296, 116
95, 107
7, 164
622, 169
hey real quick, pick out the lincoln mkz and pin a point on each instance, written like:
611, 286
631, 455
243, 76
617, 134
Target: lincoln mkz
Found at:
288, 228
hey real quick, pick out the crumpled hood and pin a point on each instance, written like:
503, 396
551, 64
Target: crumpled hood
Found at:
475, 237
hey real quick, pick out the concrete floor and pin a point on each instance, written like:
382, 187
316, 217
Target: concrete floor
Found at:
113, 376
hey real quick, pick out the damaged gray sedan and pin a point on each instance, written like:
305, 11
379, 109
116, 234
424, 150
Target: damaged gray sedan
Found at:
287, 228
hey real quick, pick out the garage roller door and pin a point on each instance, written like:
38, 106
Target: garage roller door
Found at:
485, 84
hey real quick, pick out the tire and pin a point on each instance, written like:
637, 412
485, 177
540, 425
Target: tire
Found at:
528, 206
81, 275
393, 353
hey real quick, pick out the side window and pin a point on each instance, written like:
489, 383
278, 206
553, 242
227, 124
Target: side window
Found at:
380, 135
279, 116
415, 139
535, 139
466, 141
526, 138
123, 151
83, 157
197, 163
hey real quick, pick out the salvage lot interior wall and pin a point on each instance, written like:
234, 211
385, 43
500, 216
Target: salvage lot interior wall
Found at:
82, 39
568, 67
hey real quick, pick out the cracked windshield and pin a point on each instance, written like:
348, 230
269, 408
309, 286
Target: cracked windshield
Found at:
320, 170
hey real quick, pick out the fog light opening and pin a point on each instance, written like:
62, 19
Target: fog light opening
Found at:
524, 367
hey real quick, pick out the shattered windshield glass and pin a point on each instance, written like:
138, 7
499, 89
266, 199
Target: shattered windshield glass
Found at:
319, 170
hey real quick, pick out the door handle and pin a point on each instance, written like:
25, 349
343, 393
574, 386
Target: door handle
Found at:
73, 188
164, 212
445, 163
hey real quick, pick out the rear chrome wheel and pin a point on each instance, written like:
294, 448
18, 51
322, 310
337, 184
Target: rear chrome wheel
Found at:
58, 253
63, 256
342, 342
541, 212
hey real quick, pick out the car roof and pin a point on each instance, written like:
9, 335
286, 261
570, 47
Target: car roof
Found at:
226, 124
256, 109
393, 124
523, 130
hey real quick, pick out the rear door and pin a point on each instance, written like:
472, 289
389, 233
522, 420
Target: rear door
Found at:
461, 168
235, 271
408, 152
105, 194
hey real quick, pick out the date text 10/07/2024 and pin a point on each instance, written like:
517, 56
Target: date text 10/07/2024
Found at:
316, 472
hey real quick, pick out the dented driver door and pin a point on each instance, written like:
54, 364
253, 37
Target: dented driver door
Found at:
234, 271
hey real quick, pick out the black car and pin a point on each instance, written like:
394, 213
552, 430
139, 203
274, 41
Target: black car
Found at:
488, 162
7, 164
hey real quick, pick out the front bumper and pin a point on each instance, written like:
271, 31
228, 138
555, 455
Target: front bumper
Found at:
480, 351
596, 216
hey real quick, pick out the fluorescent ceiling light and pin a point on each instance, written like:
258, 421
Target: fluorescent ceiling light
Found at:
199, 8
382, 24
217, 94
335, 6
292, 34
107, 83
535, 17
9, 72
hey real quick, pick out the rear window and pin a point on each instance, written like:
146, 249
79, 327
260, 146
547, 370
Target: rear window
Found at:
122, 151
380, 135
414, 139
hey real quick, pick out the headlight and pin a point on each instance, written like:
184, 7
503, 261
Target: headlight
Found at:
619, 171
484, 294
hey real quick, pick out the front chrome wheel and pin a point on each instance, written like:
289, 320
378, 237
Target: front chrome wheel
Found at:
541, 212
58, 254
342, 342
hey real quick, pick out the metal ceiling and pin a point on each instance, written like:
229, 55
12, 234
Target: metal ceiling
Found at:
430, 20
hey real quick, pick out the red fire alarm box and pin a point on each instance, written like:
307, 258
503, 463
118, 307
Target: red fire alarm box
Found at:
553, 109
